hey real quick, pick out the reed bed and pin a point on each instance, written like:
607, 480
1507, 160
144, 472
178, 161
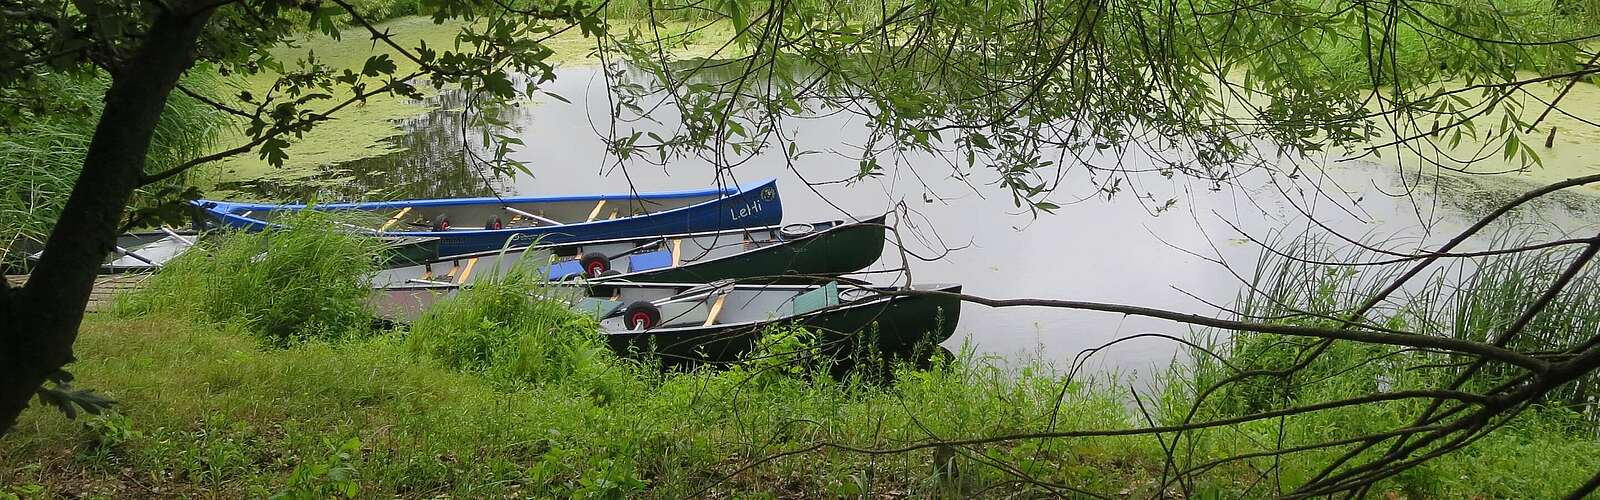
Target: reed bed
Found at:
43, 153
1474, 299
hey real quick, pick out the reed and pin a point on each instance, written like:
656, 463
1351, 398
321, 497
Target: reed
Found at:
1481, 300
1474, 299
43, 150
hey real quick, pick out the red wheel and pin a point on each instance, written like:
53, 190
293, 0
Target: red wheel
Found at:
641, 315
594, 264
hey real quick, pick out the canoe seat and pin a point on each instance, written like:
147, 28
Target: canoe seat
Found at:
685, 313
599, 308
650, 260
824, 296
564, 269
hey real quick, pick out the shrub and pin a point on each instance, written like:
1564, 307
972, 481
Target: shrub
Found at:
495, 326
303, 281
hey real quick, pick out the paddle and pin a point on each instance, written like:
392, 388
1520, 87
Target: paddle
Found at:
174, 234
135, 256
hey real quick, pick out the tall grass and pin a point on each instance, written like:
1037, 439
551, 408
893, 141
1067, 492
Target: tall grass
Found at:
495, 327
299, 282
43, 147
1465, 298
1481, 301
1475, 299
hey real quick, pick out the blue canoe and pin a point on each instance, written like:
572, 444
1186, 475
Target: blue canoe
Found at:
466, 225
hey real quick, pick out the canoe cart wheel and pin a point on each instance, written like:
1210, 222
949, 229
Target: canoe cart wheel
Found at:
641, 315
595, 264
856, 294
796, 230
441, 223
494, 224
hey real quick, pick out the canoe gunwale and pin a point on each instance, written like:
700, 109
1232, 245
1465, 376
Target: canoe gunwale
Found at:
224, 210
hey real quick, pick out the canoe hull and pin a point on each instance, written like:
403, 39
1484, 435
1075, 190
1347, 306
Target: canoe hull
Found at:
840, 250
154, 249
728, 208
837, 247
894, 327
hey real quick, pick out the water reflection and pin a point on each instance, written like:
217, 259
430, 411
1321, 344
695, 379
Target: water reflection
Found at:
428, 163
1093, 249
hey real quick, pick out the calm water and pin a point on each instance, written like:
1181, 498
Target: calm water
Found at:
1092, 249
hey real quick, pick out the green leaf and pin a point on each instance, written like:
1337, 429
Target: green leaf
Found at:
499, 85
378, 64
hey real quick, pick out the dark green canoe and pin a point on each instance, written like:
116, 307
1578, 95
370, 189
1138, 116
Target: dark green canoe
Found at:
687, 325
691, 324
791, 253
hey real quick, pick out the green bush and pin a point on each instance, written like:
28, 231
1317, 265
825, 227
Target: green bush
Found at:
496, 327
304, 281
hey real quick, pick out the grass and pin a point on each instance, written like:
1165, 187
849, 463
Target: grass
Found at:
285, 284
1475, 299
493, 329
207, 410
490, 395
1472, 299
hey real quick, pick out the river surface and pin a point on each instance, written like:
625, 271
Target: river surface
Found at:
1093, 248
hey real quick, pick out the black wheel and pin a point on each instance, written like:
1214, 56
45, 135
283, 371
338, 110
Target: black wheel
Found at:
595, 264
792, 231
441, 223
641, 315
494, 223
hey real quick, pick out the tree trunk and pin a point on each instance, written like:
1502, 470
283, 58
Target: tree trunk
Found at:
41, 319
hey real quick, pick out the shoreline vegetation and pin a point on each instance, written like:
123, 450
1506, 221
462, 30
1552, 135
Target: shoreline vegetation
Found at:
234, 379
243, 374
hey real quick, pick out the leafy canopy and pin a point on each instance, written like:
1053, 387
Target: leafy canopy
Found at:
1208, 89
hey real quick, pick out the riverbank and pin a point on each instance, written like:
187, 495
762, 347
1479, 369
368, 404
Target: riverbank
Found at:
205, 410
236, 379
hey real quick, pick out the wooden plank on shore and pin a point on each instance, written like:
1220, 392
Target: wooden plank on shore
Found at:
105, 291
